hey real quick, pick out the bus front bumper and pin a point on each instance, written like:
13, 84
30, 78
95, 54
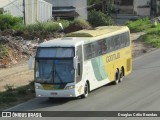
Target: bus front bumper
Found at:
57, 93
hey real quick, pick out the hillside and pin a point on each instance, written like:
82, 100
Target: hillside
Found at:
14, 49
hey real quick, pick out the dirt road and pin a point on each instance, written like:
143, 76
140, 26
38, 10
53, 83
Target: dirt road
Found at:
19, 74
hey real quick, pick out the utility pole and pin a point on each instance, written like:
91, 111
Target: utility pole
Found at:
24, 12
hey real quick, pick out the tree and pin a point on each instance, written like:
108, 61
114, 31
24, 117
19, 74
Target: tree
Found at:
105, 4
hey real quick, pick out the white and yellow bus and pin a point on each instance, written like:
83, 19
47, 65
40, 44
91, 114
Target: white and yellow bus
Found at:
83, 61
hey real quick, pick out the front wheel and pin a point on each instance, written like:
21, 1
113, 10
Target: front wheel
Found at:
86, 91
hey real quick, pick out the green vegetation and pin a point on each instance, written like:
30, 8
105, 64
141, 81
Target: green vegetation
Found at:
82, 23
3, 51
97, 18
9, 22
12, 95
139, 25
152, 36
40, 30
78, 35
47, 26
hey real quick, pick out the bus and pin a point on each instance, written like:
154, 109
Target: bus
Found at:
82, 61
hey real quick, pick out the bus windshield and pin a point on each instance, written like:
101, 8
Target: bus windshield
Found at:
54, 65
54, 71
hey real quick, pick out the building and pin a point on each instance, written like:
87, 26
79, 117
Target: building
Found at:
142, 7
67, 12
135, 7
155, 7
124, 6
69, 8
31, 10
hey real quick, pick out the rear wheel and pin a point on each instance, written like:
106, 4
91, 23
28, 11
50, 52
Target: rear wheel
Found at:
121, 76
116, 81
86, 90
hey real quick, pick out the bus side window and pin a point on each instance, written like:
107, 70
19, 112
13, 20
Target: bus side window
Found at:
117, 42
88, 51
123, 40
93, 50
127, 38
108, 45
112, 44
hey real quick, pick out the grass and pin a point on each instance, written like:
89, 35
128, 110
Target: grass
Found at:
13, 96
152, 36
139, 25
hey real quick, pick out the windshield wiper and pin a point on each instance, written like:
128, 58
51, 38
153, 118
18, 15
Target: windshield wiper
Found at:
59, 77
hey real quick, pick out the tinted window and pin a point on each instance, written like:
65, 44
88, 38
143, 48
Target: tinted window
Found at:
87, 52
55, 52
107, 45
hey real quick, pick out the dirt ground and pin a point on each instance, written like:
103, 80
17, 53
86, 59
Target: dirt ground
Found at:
139, 48
19, 75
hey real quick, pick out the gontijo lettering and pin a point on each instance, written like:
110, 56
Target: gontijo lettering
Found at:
113, 57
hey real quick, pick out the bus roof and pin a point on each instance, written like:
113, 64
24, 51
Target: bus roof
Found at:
75, 38
99, 31
62, 42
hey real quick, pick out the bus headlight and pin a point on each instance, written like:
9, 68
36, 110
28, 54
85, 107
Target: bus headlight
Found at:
70, 87
38, 87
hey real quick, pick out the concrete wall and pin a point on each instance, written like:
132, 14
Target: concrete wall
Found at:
80, 5
143, 11
35, 10
137, 3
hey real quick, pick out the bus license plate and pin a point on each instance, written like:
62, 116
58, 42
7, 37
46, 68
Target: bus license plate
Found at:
54, 93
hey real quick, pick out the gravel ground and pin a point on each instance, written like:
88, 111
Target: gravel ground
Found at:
139, 48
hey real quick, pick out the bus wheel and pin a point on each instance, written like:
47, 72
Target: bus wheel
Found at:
121, 76
86, 91
116, 81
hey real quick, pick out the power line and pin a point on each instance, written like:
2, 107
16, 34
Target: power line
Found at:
15, 5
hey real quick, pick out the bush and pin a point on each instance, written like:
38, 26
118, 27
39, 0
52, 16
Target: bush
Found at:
65, 23
83, 23
77, 24
97, 18
151, 39
3, 50
47, 27
9, 22
139, 25
51, 27
7, 97
22, 90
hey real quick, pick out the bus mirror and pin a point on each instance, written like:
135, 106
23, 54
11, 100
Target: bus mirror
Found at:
75, 62
30, 62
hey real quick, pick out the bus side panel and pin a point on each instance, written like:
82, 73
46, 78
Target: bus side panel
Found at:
117, 60
95, 72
